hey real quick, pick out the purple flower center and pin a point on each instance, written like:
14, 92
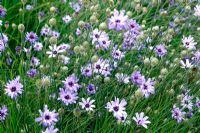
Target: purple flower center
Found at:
13, 89
70, 84
87, 105
116, 108
159, 50
55, 52
96, 35
31, 36
47, 117
187, 43
2, 114
67, 97
132, 26
117, 21
98, 67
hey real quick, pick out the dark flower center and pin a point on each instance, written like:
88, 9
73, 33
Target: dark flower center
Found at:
132, 26
86, 70
116, 108
71, 84
67, 97
187, 43
104, 42
159, 50
2, 114
31, 36
87, 105
98, 67
117, 21
96, 35
145, 87
55, 52
47, 117
13, 89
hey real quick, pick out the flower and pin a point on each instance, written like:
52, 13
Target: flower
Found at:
117, 107
3, 113
87, 70
122, 117
147, 88
32, 72
178, 114
117, 54
91, 89
185, 63
67, 96
2, 12
31, 37
46, 31
142, 120
50, 129
197, 10
14, 88
189, 42
134, 27
47, 118
118, 21
35, 61
160, 50
38, 46
122, 78
197, 104
87, 104
186, 102
71, 83
102, 66
54, 51
66, 19
137, 78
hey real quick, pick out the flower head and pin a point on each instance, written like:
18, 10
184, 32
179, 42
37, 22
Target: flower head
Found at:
14, 88
141, 119
71, 83
67, 96
87, 104
47, 117
31, 37
189, 42
3, 113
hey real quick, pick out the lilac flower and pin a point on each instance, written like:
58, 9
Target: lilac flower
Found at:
186, 102
71, 83
64, 46
31, 37
47, 117
122, 78
3, 113
54, 51
134, 27
87, 104
4, 38
2, 46
197, 104
117, 107
141, 119
100, 39
129, 40
197, 11
189, 42
65, 60
118, 21
14, 88
196, 57
50, 129
87, 70
160, 50
91, 89
137, 78
46, 31
78, 32
32, 73
147, 88
76, 6
103, 67
122, 117
67, 96
178, 114
35, 61
2, 12
117, 54
66, 19
18, 49
55, 34
185, 63
38, 46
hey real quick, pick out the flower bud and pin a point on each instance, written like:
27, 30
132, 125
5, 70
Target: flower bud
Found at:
106, 79
138, 94
103, 26
154, 61
53, 40
21, 28
52, 21
93, 19
52, 9
81, 24
94, 58
129, 14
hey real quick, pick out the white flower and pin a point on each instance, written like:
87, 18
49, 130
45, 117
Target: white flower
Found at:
47, 118
186, 64
38, 46
142, 120
123, 78
189, 42
117, 107
87, 104
197, 10
54, 51
50, 129
67, 19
